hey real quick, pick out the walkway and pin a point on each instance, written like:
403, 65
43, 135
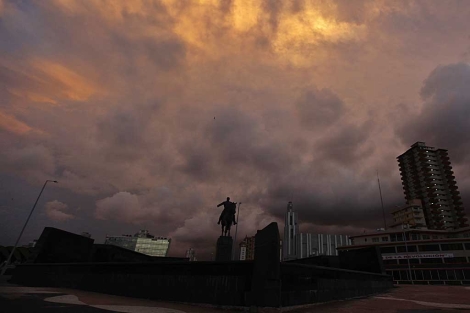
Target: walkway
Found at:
409, 299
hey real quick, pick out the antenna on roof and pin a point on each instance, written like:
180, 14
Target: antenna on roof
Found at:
381, 200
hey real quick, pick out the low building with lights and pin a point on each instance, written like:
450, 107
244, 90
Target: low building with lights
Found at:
421, 256
142, 242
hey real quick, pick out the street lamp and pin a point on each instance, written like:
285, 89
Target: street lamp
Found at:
27, 220
406, 247
234, 249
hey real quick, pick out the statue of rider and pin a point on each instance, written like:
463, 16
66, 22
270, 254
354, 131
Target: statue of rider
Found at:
227, 210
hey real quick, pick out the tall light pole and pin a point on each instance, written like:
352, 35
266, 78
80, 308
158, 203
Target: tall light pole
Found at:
381, 200
236, 231
27, 220
407, 255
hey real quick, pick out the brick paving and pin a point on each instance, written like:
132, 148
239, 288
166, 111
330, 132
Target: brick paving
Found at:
403, 299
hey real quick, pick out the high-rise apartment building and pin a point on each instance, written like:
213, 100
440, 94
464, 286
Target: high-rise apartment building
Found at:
142, 242
291, 231
247, 248
426, 174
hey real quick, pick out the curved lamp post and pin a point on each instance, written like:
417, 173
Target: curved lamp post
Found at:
234, 249
27, 220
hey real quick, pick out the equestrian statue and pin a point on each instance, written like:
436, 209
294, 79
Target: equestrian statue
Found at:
227, 217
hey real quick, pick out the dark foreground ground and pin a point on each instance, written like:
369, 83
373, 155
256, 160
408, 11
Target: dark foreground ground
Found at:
404, 299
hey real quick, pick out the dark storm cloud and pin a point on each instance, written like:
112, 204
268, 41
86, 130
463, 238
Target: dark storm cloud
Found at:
118, 104
444, 120
57, 211
165, 53
124, 131
241, 140
318, 109
27, 160
198, 160
347, 144
274, 7
122, 128
352, 11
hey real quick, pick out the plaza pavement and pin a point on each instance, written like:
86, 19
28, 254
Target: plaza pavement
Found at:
403, 299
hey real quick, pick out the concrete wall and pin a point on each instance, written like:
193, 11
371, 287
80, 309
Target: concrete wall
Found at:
59, 246
264, 282
363, 260
199, 282
306, 284
110, 253
322, 260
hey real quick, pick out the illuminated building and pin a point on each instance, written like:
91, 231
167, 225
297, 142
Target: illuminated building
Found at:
142, 242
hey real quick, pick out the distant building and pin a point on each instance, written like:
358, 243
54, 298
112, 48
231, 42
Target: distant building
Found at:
142, 242
411, 214
85, 234
298, 245
242, 251
191, 254
309, 245
32, 244
143, 234
426, 174
291, 231
247, 248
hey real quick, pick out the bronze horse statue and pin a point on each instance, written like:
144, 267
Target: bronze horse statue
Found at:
227, 218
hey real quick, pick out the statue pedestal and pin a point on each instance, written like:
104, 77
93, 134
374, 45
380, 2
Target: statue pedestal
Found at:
223, 251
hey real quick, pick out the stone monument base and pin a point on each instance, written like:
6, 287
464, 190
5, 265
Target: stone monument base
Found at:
223, 251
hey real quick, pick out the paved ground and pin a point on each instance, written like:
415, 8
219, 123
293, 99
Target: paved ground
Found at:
406, 299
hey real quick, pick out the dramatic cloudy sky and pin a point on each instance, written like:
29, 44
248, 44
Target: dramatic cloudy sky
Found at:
149, 113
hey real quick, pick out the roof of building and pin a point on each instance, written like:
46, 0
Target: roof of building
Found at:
408, 242
429, 231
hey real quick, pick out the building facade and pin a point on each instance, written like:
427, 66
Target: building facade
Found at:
421, 256
142, 242
291, 231
242, 251
298, 245
247, 248
410, 214
426, 174
86, 234
191, 254
309, 245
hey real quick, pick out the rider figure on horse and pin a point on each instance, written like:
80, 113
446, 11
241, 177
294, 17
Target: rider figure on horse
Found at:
229, 208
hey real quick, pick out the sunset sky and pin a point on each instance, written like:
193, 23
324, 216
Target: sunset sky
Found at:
150, 113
